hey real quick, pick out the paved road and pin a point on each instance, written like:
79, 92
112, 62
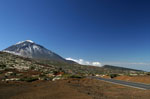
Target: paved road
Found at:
125, 83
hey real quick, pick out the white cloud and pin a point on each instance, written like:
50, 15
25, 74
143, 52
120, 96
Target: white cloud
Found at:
96, 63
83, 62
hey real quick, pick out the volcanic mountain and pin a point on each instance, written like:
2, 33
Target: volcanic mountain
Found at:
30, 49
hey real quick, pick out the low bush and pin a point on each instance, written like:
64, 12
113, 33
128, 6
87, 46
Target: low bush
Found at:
76, 76
2, 66
29, 79
148, 73
113, 75
66, 75
72, 76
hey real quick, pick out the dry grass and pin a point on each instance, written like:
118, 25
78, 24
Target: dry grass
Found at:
40, 90
70, 89
141, 79
102, 90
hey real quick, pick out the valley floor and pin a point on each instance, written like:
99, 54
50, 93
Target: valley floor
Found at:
69, 89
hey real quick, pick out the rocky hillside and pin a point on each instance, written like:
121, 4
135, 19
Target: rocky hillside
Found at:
10, 61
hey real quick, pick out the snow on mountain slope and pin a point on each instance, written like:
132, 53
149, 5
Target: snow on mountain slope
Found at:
25, 41
32, 50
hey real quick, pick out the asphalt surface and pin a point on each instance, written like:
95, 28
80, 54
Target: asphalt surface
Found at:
126, 83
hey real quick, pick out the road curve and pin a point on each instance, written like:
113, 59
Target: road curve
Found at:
126, 83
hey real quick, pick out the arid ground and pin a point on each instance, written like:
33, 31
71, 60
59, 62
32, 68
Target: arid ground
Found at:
69, 89
140, 79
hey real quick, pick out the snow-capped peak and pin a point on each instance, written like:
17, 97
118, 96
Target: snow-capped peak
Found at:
30, 49
25, 41
29, 41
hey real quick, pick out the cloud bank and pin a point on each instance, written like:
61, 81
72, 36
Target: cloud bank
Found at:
83, 62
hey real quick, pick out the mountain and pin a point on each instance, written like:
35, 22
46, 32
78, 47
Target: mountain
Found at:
120, 69
36, 53
30, 49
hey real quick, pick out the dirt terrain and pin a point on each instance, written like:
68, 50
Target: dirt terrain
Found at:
40, 90
140, 79
69, 89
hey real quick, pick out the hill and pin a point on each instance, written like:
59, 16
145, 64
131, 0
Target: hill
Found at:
117, 69
10, 61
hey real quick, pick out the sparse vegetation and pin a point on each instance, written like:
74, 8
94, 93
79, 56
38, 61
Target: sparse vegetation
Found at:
29, 79
13, 66
76, 76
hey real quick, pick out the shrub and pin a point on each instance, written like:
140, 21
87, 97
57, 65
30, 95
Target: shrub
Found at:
113, 75
76, 76
2, 66
72, 76
66, 75
148, 73
29, 79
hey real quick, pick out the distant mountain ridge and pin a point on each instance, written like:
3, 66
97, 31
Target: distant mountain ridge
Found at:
30, 49
117, 68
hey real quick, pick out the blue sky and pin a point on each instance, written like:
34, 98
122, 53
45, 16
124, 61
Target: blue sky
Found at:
108, 31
